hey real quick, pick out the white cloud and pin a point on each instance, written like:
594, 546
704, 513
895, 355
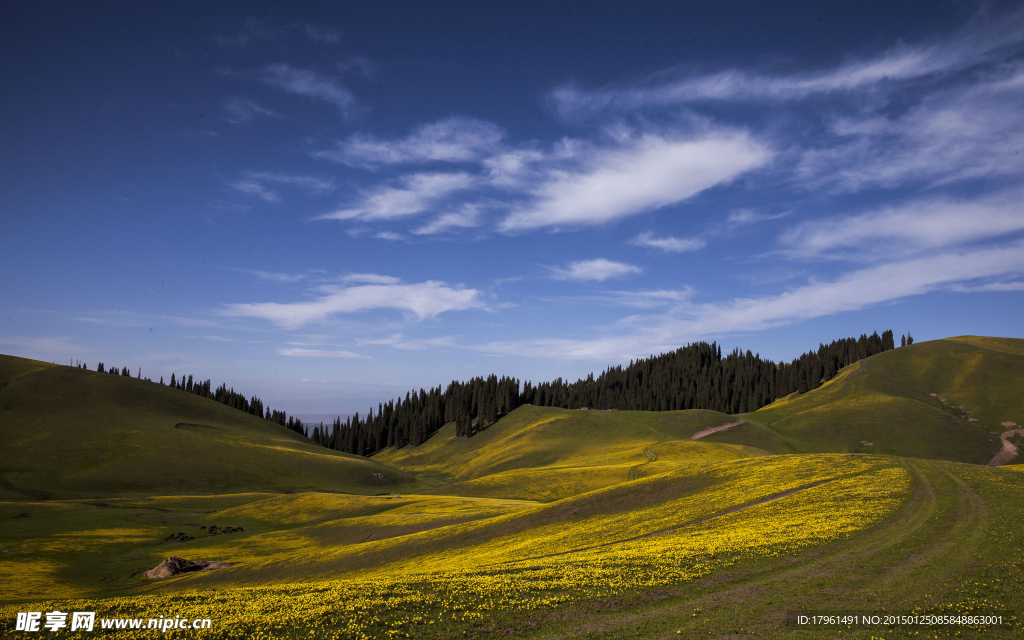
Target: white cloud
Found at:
255, 184
960, 133
310, 84
669, 243
466, 217
399, 342
597, 270
317, 353
643, 335
991, 286
419, 191
908, 228
272, 276
649, 173
510, 169
252, 187
422, 300
745, 217
370, 278
457, 139
244, 110
902, 63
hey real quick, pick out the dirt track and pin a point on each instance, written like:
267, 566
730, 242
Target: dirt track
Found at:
722, 427
1009, 450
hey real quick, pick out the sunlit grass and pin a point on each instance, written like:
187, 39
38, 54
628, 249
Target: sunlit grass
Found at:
436, 578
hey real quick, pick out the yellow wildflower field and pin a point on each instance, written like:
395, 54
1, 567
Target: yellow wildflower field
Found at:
663, 530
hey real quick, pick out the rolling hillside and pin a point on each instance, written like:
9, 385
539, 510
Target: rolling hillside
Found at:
546, 453
550, 523
69, 432
943, 399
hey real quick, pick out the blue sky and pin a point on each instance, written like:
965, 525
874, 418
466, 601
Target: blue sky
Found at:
328, 205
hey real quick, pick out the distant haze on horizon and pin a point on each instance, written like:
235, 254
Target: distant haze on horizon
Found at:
327, 205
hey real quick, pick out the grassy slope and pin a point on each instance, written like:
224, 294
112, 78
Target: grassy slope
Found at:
72, 548
69, 432
544, 453
886, 400
952, 544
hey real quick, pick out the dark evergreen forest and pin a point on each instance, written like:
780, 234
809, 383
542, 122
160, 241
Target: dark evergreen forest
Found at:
696, 376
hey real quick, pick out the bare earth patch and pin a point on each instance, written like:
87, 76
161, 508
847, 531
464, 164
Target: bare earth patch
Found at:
722, 427
1009, 450
175, 566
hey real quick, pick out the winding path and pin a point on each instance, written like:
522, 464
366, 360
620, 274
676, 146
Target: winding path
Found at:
1009, 450
722, 427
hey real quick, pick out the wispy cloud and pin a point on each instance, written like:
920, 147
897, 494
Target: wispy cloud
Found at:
417, 193
991, 286
317, 353
648, 173
467, 216
244, 110
398, 341
597, 270
961, 133
323, 35
908, 228
310, 84
902, 63
370, 278
251, 187
422, 300
255, 184
254, 30
642, 335
272, 276
669, 243
457, 139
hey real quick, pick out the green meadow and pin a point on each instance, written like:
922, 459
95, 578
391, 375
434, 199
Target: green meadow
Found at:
867, 495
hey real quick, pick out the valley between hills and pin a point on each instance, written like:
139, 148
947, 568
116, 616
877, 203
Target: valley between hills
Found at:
894, 486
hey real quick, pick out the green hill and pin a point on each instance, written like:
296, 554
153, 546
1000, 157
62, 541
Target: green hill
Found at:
69, 432
546, 453
944, 399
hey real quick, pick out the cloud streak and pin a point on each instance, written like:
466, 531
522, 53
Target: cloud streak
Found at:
310, 84
670, 244
643, 335
457, 139
650, 173
416, 194
597, 270
974, 44
255, 184
909, 228
421, 300
317, 353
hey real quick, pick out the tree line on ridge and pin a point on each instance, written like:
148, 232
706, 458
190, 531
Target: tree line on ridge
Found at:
696, 376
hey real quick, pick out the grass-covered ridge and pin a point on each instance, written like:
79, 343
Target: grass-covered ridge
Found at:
944, 399
545, 453
69, 432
